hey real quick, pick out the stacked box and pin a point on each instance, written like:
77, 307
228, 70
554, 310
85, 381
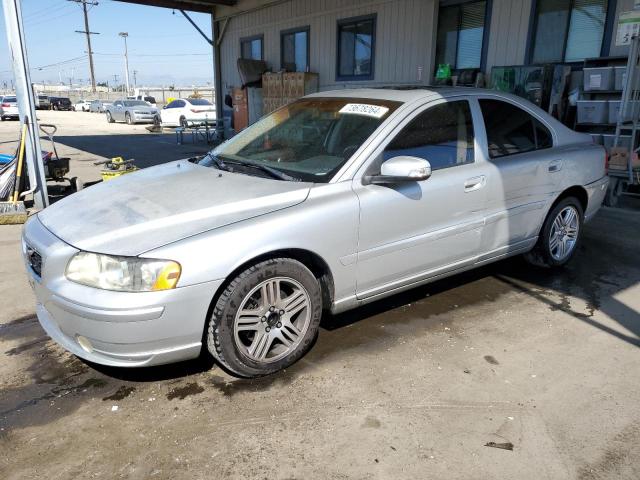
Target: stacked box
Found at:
299, 84
593, 111
271, 91
283, 88
619, 77
599, 78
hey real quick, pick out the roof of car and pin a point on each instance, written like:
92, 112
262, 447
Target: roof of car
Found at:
409, 93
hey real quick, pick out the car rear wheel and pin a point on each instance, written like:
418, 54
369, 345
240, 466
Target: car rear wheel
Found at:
109, 117
183, 122
560, 235
266, 319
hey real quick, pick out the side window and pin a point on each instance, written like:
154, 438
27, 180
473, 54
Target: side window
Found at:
172, 104
180, 103
117, 103
442, 134
511, 130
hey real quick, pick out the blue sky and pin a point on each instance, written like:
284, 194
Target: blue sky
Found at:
164, 47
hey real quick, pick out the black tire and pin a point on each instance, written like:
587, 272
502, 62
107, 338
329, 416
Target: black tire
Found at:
221, 342
541, 255
183, 122
157, 121
127, 118
109, 117
1, 119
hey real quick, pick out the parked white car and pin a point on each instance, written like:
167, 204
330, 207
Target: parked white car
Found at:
147, 98
188, 111
82, 106
8, 107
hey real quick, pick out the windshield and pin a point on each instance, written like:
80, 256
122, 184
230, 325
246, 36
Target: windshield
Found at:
309, 139
9, 99
135, 103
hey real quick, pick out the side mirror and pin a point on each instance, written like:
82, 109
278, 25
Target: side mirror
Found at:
401, 169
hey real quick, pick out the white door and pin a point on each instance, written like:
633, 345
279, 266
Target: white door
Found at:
414, 230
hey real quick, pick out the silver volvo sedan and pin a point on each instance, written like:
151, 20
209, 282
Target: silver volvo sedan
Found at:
336, 200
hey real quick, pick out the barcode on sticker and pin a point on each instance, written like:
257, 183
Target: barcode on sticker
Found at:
375, 111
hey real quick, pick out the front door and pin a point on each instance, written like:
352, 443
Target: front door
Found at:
415, 230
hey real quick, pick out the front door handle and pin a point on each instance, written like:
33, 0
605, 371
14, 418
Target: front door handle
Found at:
475, 183
555, 165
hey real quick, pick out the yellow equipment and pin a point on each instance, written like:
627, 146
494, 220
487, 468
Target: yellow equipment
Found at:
116, 167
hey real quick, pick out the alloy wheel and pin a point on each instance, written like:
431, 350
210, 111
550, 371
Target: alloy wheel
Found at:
272, 319
564, 233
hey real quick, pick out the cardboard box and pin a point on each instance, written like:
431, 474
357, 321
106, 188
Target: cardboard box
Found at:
272, 84
299, 84
619, 159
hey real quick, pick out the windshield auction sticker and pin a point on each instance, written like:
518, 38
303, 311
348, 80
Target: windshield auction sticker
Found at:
375, 111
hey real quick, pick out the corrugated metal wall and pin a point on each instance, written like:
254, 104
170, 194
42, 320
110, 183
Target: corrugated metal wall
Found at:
404, 37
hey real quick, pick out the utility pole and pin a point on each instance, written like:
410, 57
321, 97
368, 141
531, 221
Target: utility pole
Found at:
115, 81
88, 33
126, 60
135, 83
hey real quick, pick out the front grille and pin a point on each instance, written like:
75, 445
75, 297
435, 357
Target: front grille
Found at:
35, 261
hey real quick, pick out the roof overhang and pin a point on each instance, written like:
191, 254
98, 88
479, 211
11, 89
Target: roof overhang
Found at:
204, 6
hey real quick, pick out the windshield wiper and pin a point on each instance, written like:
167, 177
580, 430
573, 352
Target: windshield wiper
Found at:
274, 172
217, 161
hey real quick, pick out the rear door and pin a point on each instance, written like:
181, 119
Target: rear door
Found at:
524, 173
415, 230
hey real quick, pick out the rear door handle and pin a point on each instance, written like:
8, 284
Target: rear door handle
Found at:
475, 183
555, 165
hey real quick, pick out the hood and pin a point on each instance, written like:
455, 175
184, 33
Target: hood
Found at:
153, 207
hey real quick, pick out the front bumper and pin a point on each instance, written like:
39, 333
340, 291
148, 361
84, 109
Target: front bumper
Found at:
143, 117
120, 329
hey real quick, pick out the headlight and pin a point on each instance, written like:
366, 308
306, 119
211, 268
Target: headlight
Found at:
124, 274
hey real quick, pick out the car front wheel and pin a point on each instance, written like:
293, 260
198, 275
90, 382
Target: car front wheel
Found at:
560, 235
127, 118
266, 318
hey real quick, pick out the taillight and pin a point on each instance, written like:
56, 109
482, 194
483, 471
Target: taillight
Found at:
6, 105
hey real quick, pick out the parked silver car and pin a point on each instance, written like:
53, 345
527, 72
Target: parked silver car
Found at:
99, 106
130, 111
9, 107
336, 200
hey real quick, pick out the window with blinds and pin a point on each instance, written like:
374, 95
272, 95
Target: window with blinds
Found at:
461, 34
568, 30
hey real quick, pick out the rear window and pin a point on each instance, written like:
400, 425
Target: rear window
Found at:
150, 99
199, 101
9, 99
